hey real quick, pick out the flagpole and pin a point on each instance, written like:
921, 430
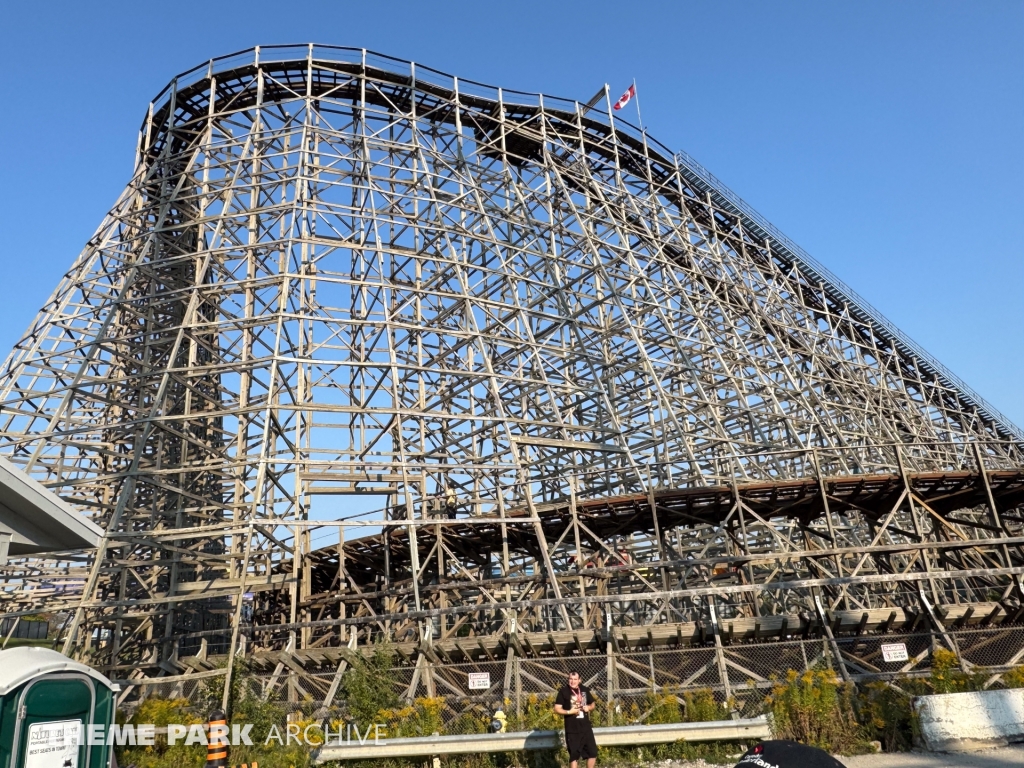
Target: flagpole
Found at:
636, 98
611, 124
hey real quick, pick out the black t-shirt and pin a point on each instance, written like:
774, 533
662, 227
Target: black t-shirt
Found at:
565, 699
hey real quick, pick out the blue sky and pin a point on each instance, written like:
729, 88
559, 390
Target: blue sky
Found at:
887, 138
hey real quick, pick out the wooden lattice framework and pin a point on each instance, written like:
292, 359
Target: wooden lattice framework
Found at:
334, 273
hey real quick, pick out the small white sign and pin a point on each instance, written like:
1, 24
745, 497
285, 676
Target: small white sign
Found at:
894, 652
54, 745
479, 681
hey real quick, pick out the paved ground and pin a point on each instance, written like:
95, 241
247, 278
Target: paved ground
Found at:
991, 758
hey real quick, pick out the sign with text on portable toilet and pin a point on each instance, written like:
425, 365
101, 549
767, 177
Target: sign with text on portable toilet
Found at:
54, 745
48, 703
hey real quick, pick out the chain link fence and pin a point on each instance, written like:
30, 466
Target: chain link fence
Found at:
626, 683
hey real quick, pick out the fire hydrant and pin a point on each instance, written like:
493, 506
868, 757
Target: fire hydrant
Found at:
498, 722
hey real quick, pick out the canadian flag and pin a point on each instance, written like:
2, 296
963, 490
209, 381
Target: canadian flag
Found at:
624, 98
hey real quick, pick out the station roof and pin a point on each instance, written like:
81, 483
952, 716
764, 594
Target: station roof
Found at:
34, 520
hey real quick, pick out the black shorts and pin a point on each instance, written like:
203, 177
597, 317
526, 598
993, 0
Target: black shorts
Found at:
581, 745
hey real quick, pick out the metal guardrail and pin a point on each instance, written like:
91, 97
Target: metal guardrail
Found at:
618, 736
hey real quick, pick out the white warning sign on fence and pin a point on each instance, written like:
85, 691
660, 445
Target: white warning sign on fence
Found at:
894, 652
479, 681
54, 745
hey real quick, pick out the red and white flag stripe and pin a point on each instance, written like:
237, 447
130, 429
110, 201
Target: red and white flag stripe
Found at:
624, 98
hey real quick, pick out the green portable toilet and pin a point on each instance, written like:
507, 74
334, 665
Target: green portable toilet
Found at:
47, 704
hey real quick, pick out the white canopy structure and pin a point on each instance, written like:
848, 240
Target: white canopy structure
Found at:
33, 519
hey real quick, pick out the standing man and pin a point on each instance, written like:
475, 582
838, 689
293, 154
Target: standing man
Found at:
575, 703
451, 504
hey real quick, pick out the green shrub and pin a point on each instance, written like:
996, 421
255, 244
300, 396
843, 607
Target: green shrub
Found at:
702, 706
886, 716
815, 708
161, 713
947, 677
662, 707
537, 713
421, 718
369, 685
474, 721
263, 715
1014, 678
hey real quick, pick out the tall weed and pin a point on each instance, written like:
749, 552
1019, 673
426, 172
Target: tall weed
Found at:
815, 708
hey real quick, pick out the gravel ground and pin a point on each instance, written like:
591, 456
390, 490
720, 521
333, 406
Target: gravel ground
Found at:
990, 758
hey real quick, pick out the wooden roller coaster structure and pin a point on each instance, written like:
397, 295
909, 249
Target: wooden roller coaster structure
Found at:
366, 351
